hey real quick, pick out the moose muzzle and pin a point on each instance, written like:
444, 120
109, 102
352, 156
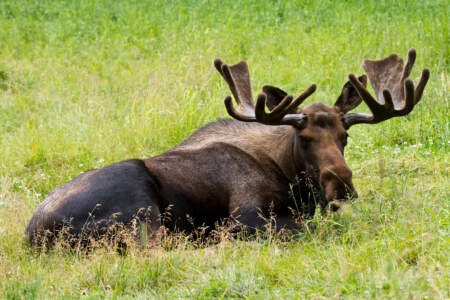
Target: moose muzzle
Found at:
337, 185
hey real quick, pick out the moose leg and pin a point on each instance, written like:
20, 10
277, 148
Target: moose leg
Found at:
252, 214
118, 195
287, 223
251, 219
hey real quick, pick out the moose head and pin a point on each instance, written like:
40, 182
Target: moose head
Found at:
319, 130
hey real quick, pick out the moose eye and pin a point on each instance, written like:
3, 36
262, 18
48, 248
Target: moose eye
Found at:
306, 140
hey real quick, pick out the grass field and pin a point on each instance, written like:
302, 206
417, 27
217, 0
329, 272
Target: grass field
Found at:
87, 83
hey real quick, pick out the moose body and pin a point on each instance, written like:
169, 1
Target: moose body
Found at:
259, 164
197, 184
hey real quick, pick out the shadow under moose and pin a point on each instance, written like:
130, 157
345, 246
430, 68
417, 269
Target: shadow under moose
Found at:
276, 161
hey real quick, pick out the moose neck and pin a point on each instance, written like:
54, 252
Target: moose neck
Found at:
284, 153
277, 142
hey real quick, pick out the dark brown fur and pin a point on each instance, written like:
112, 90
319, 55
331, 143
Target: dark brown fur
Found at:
243, 170
226, 169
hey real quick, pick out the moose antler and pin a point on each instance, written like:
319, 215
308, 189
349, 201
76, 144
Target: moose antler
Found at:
238, 78
394, 90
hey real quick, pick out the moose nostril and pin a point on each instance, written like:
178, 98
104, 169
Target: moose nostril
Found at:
337, 184
335, 206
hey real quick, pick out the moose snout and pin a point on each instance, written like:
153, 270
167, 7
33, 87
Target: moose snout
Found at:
338, 186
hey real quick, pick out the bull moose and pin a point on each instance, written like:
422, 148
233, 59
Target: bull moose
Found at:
286, 157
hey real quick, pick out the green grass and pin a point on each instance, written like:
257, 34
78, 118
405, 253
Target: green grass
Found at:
87, 83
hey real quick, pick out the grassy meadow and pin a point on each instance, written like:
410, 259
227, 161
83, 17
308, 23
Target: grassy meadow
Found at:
87, 83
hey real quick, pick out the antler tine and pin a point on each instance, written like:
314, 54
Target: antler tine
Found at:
280, 109
373, 104
276, 115
394, 90
225, 72
235, 114
421, 86
218, 63
423, 78
299, 100
388, 103
409, 64
409, 98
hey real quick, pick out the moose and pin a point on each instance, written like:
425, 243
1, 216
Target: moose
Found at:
271, 157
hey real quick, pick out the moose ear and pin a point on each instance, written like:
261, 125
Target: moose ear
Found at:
349, 97
274, 96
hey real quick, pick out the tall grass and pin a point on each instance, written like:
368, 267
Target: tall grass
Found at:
87, 83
